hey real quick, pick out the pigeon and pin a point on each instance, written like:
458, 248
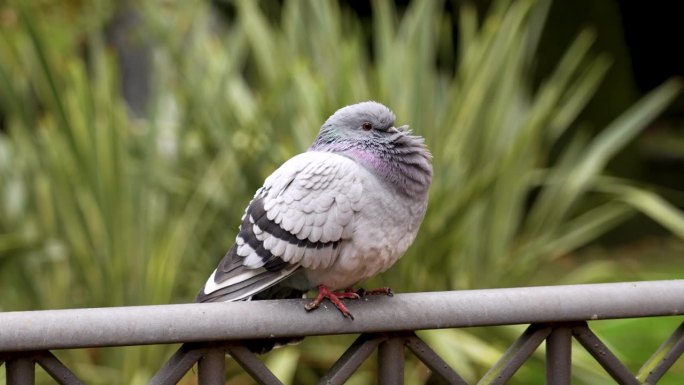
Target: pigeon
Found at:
331, 217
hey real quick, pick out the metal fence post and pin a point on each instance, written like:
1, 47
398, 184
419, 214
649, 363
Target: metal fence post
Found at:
391, 362
20, 371
558, 356
211, 367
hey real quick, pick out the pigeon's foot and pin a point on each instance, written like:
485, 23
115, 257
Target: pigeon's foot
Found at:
379, 291
334, 297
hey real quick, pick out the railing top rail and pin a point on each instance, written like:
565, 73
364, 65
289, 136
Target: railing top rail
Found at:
139, 325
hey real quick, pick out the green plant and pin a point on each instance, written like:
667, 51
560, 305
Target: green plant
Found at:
102, 209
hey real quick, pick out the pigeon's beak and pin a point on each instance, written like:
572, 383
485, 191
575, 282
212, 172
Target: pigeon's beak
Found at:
396, 130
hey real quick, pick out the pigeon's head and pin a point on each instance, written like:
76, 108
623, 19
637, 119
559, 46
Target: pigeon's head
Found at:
366, 133
364, 118
359, 122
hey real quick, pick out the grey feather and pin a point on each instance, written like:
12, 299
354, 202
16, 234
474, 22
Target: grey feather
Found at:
335, 215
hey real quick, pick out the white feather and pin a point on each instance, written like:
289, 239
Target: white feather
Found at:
253, 260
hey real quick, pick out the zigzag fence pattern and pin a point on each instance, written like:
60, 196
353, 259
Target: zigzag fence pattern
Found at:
556, 315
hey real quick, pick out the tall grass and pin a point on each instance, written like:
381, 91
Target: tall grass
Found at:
102, 209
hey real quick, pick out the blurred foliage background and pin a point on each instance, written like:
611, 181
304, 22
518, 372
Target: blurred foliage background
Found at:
133, 134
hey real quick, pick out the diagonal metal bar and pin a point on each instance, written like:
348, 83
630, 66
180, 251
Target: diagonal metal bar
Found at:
211, 367
20, 371
175, 368
661, 361
516, 355
433, 361
558, 356
252, 365
391, 361
56, 369
603, 355
352, 358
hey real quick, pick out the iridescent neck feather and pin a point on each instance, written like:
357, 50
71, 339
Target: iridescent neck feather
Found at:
402, 160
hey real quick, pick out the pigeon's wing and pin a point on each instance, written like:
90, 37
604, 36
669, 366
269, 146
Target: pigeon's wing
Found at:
296, 220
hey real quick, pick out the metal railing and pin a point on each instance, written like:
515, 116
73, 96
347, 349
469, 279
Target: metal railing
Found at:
556, 314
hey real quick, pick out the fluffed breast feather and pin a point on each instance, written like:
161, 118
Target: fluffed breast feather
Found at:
297, 219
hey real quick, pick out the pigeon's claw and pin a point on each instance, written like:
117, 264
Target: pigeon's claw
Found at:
379, 291
334, 297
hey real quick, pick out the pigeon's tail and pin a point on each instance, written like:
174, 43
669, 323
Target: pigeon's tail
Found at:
242, 284
233, 281
279, 291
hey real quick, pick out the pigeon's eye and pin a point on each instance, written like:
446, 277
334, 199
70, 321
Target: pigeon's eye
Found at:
367, 126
